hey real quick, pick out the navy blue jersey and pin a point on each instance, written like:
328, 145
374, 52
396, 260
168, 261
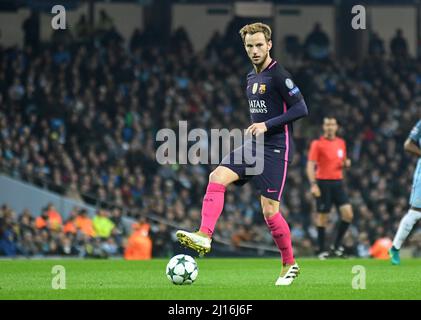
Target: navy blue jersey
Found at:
270, 94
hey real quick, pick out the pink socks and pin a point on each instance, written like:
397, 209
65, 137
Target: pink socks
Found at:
213, 203
282, 237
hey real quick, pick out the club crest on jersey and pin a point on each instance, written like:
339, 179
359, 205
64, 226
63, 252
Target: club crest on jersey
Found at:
340, 153
254, 89
262, 88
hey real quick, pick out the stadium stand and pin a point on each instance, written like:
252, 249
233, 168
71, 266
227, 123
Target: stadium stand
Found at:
79, 118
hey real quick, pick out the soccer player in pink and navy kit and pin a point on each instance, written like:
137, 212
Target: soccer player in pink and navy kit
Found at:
275, 103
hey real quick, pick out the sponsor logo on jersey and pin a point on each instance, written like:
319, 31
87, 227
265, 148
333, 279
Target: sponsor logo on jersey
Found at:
258, 106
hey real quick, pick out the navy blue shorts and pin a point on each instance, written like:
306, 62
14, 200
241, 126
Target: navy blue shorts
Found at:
271, 181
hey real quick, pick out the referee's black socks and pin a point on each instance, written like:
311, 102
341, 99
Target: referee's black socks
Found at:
321, 238
343, 226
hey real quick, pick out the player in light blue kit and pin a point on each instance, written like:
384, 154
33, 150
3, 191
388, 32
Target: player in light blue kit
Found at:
413, 146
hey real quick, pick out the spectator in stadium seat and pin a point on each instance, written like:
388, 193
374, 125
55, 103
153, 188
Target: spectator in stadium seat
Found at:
110, 247
83, 29
53, 248
73, 192
376, 45
41, 222
27, 245
162, 243
62, 37
139, 244
363, 247
398, 45
105, 22
84, 223
136, 40
116, 218
26, 222
44, 242
7, 243
70, 224
61, 55
8, 236
17, 90
243, 234
31, 29
54, 218
180, 39
317, 43
113, 36
103, 226
67, 248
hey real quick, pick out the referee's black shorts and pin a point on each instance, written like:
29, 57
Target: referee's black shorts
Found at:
331, 192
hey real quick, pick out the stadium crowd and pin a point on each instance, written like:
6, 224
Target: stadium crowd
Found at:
79, 116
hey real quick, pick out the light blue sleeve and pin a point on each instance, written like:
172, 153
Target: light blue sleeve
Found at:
415, 133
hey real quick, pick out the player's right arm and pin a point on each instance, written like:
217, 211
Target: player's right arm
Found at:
411, 144
311, 169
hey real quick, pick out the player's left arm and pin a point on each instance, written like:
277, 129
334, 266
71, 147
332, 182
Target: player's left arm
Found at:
296, 106
411, 147
347, 161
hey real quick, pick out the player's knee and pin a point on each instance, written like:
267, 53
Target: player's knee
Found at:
269, 210
321, 220
410, 219
216, 177
347, 214
348, 217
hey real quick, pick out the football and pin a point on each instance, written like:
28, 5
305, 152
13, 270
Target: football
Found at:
182, 269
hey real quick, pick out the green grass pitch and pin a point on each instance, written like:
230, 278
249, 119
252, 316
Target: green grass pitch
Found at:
236, 279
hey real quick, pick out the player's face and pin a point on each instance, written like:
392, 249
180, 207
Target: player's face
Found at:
257, 47
330, 127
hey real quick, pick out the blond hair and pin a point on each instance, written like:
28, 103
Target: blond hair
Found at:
254, 28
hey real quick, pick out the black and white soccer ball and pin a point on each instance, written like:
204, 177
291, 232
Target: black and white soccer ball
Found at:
182, 269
